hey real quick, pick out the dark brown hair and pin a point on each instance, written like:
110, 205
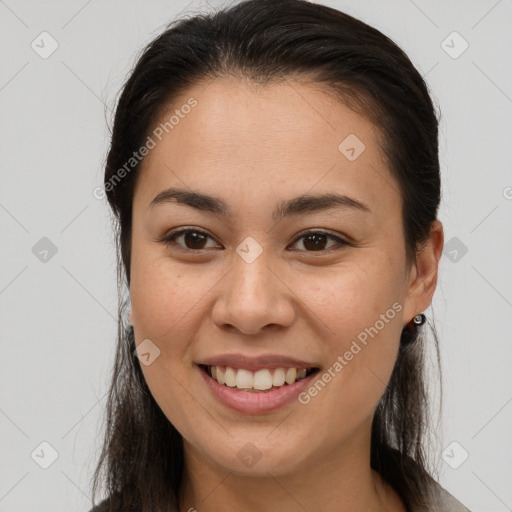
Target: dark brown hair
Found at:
268, 41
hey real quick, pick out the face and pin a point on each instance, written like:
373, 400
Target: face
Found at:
261, 278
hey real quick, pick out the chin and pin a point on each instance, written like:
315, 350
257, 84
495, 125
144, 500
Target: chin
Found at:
258, 456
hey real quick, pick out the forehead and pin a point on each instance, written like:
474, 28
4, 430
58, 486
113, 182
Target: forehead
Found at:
280, 139
287, 115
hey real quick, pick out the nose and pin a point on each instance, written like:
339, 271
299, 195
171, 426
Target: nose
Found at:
253, 298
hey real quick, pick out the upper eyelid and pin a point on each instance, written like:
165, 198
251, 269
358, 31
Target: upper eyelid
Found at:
181, 231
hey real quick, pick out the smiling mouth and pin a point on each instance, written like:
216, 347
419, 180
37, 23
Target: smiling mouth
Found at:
261, 381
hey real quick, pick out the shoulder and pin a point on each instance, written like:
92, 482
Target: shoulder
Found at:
445, 501
104, 506
101, 507
440, 500
419, 491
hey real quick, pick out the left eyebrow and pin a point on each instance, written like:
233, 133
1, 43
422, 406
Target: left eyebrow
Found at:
311, 204
300, 205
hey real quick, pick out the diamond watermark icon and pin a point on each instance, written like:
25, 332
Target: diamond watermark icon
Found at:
249, 249
147, 352
44, 45
44, 250
249, 454
454, 249
44, 455
351, 147
455, 455
454, 45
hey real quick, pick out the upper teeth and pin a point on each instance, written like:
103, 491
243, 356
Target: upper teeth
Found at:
261, 379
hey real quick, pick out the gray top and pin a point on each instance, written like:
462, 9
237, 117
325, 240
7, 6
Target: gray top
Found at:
445, 503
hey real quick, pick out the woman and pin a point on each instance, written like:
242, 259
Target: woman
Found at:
274, 175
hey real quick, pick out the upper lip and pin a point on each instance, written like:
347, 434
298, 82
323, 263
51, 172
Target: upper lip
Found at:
256, 363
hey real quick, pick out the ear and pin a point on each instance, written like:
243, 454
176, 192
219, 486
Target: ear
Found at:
423, 274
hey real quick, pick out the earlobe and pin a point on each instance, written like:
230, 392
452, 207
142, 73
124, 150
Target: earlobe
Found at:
414, 324
424, 274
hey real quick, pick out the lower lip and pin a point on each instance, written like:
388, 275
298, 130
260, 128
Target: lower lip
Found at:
256, 403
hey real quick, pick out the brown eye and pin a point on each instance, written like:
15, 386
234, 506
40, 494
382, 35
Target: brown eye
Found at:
191, 239
315, 241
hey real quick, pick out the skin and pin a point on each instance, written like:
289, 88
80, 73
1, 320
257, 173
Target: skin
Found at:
253, 147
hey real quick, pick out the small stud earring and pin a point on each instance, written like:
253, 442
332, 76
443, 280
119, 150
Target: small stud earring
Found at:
419, 319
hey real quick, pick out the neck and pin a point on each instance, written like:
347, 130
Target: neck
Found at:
339, 479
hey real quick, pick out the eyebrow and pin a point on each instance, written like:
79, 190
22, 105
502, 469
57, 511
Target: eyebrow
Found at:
300, 205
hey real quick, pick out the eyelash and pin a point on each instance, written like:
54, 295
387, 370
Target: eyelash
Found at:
170, 239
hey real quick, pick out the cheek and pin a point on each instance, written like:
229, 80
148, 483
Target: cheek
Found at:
167, 295
168, 303
348, 302
359, 314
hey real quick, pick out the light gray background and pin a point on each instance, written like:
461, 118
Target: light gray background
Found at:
58, 317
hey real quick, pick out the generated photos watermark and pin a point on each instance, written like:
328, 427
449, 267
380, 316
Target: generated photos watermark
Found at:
355, 348
143, 151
